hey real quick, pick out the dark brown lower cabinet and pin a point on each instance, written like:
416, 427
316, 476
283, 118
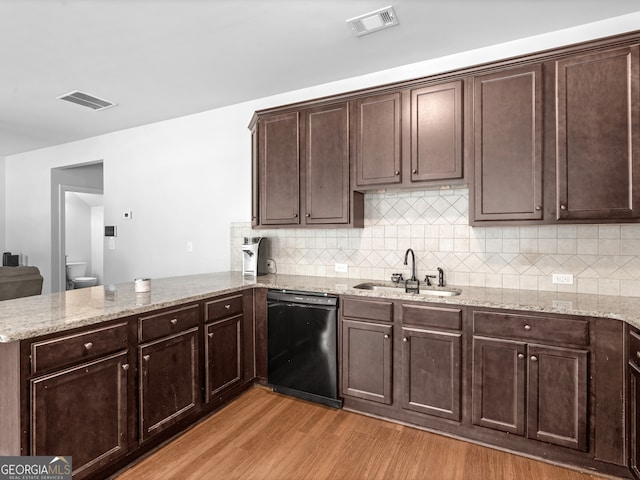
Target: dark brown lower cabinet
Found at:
633, 405
82, 412
367, 360
431, 372
634, 419
531, 390
169, 381
223, 351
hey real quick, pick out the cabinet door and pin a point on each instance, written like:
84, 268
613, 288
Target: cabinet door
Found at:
255, 184
327, 165
634, 419
431, 372
169, 384
498, 391
279, 165
436, 132
224, 355
598, 136
367, 361
507, 183
558, 396
94, 434
377, 140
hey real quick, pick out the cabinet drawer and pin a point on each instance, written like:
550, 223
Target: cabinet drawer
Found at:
367, 309
529, 328
167, 323
65, 351
634, 348
225, 307
437, 317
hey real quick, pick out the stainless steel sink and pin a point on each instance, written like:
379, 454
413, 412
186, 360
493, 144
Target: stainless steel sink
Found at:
391, 288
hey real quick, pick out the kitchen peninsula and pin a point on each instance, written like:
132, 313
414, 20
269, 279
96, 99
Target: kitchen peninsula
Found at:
102, 359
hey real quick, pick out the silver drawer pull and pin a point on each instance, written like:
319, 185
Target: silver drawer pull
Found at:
146, 358
174, 321
88, 346
521, 356
125, 366
227, 307
534, 358
527, 327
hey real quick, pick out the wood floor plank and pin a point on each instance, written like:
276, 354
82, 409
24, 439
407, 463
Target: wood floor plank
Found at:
267, 436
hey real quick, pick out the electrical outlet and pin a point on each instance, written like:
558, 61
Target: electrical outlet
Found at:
341, 268
562, 278
563, 304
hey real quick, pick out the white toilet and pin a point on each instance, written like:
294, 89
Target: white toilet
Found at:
76, 272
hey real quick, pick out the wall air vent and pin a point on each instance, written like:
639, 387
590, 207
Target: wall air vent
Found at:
373, 21
87, 100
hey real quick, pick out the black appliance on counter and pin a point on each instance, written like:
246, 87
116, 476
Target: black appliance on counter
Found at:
9, 260
302, 345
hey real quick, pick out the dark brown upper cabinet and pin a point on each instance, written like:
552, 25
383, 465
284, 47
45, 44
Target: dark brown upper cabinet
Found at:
546, 138
377, 140
279, 169
409, 136
436, 132
507, 145
303, 164
557, 141
598, 135
326, 155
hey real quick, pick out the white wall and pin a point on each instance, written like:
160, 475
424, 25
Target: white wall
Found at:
186, 179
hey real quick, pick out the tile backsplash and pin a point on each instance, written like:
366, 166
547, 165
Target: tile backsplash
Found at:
604, 259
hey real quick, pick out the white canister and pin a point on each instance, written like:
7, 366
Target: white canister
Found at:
142, 285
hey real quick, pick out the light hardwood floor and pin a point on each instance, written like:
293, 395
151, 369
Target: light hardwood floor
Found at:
263, 436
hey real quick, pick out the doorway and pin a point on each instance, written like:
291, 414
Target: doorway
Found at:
81, 181
84, 227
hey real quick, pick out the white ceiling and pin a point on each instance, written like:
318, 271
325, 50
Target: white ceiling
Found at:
161, 59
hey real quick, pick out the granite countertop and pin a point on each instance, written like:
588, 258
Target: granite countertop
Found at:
31, 317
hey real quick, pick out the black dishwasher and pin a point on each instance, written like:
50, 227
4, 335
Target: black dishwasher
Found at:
302, 345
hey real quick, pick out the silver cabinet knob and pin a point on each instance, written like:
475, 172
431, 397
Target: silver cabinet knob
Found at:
405, 339
396, 172
125, 366
415, 170
534, 358
538, 208
527, 327
386, 336
295, 215
521, 356
88, 346
308, 215
174, 321
146, 358
227, 307
563, 206
210, 335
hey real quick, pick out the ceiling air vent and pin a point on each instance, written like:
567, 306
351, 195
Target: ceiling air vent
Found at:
87, 100
373, 21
